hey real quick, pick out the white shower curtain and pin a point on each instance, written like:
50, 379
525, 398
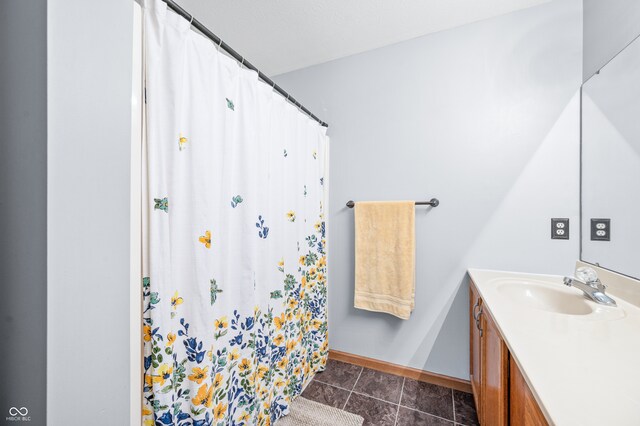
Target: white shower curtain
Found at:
234, 237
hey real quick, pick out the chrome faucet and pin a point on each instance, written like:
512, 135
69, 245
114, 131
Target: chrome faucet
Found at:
587, 280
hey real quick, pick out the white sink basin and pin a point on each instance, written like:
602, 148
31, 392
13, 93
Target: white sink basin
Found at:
540, 296
554, 297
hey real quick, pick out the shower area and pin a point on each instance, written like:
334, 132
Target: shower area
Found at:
234, 189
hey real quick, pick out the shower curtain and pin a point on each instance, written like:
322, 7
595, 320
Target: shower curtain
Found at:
234, 240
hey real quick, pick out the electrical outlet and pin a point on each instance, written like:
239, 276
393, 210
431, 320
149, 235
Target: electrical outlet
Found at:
600, 229
559, 228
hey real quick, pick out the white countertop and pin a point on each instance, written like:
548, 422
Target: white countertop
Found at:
583, 369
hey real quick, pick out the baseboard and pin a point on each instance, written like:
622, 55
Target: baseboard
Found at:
399, 370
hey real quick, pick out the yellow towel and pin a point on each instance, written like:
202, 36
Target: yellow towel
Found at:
385, 257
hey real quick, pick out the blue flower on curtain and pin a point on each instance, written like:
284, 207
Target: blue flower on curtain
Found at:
263, 230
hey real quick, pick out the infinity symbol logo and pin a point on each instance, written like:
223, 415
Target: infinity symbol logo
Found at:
22, 411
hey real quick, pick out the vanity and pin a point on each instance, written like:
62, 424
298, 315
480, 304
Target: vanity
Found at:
543, 354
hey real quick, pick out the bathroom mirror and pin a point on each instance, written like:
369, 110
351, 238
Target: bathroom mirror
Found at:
611, 164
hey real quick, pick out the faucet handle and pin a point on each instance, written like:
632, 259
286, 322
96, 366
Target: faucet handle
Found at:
587, 275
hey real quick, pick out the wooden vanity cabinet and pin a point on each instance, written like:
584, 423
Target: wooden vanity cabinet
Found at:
501, 395
489, 365
474, 328
524, 408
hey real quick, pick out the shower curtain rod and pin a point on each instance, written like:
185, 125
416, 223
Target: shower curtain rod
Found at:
238, 57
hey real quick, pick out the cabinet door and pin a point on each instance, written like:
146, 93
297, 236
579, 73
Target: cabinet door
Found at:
494, 372
475, 304
524, 408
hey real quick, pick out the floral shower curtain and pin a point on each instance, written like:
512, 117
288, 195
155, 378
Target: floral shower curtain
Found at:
235, 270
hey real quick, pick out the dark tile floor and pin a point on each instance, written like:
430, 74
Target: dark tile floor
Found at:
387, 400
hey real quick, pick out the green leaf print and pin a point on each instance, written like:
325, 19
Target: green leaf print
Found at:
161, 204
214, 291
277, 294
236, 200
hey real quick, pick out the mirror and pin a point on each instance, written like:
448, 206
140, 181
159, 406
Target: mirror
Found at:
611, 164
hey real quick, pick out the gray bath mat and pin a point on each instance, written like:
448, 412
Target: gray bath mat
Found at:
304, 412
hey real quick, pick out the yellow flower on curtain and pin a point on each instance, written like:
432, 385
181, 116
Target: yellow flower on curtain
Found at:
204, 396
217, 381
146, 333
171, 337
234, 354
176, 300
221, 323
182, 142
198, 374
278, 321
262, 370
291, 216
244, 366
278, 340
148, 380
219, 411
282, 364
164, 373
206, 239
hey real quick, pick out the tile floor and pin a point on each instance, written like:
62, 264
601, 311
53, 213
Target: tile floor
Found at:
387, 400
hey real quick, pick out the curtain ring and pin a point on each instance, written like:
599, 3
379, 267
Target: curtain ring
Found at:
242, 63
220, 44
191, 21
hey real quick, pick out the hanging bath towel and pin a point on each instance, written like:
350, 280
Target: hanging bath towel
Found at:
385, 257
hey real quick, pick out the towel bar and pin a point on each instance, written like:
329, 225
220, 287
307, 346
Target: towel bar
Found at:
432, 202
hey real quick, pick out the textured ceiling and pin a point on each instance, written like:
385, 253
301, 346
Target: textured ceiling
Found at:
284, 35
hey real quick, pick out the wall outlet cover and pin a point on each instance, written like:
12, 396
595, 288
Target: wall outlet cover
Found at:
559, 228
600, 229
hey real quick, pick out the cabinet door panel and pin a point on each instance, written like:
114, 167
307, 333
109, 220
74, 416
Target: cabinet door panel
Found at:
475, 304
524, 408
494, 372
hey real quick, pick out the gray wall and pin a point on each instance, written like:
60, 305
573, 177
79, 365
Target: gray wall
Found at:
89, 105
486, 118
609, 25
23, 206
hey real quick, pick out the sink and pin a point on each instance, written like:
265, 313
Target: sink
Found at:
546, 298
549, 295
